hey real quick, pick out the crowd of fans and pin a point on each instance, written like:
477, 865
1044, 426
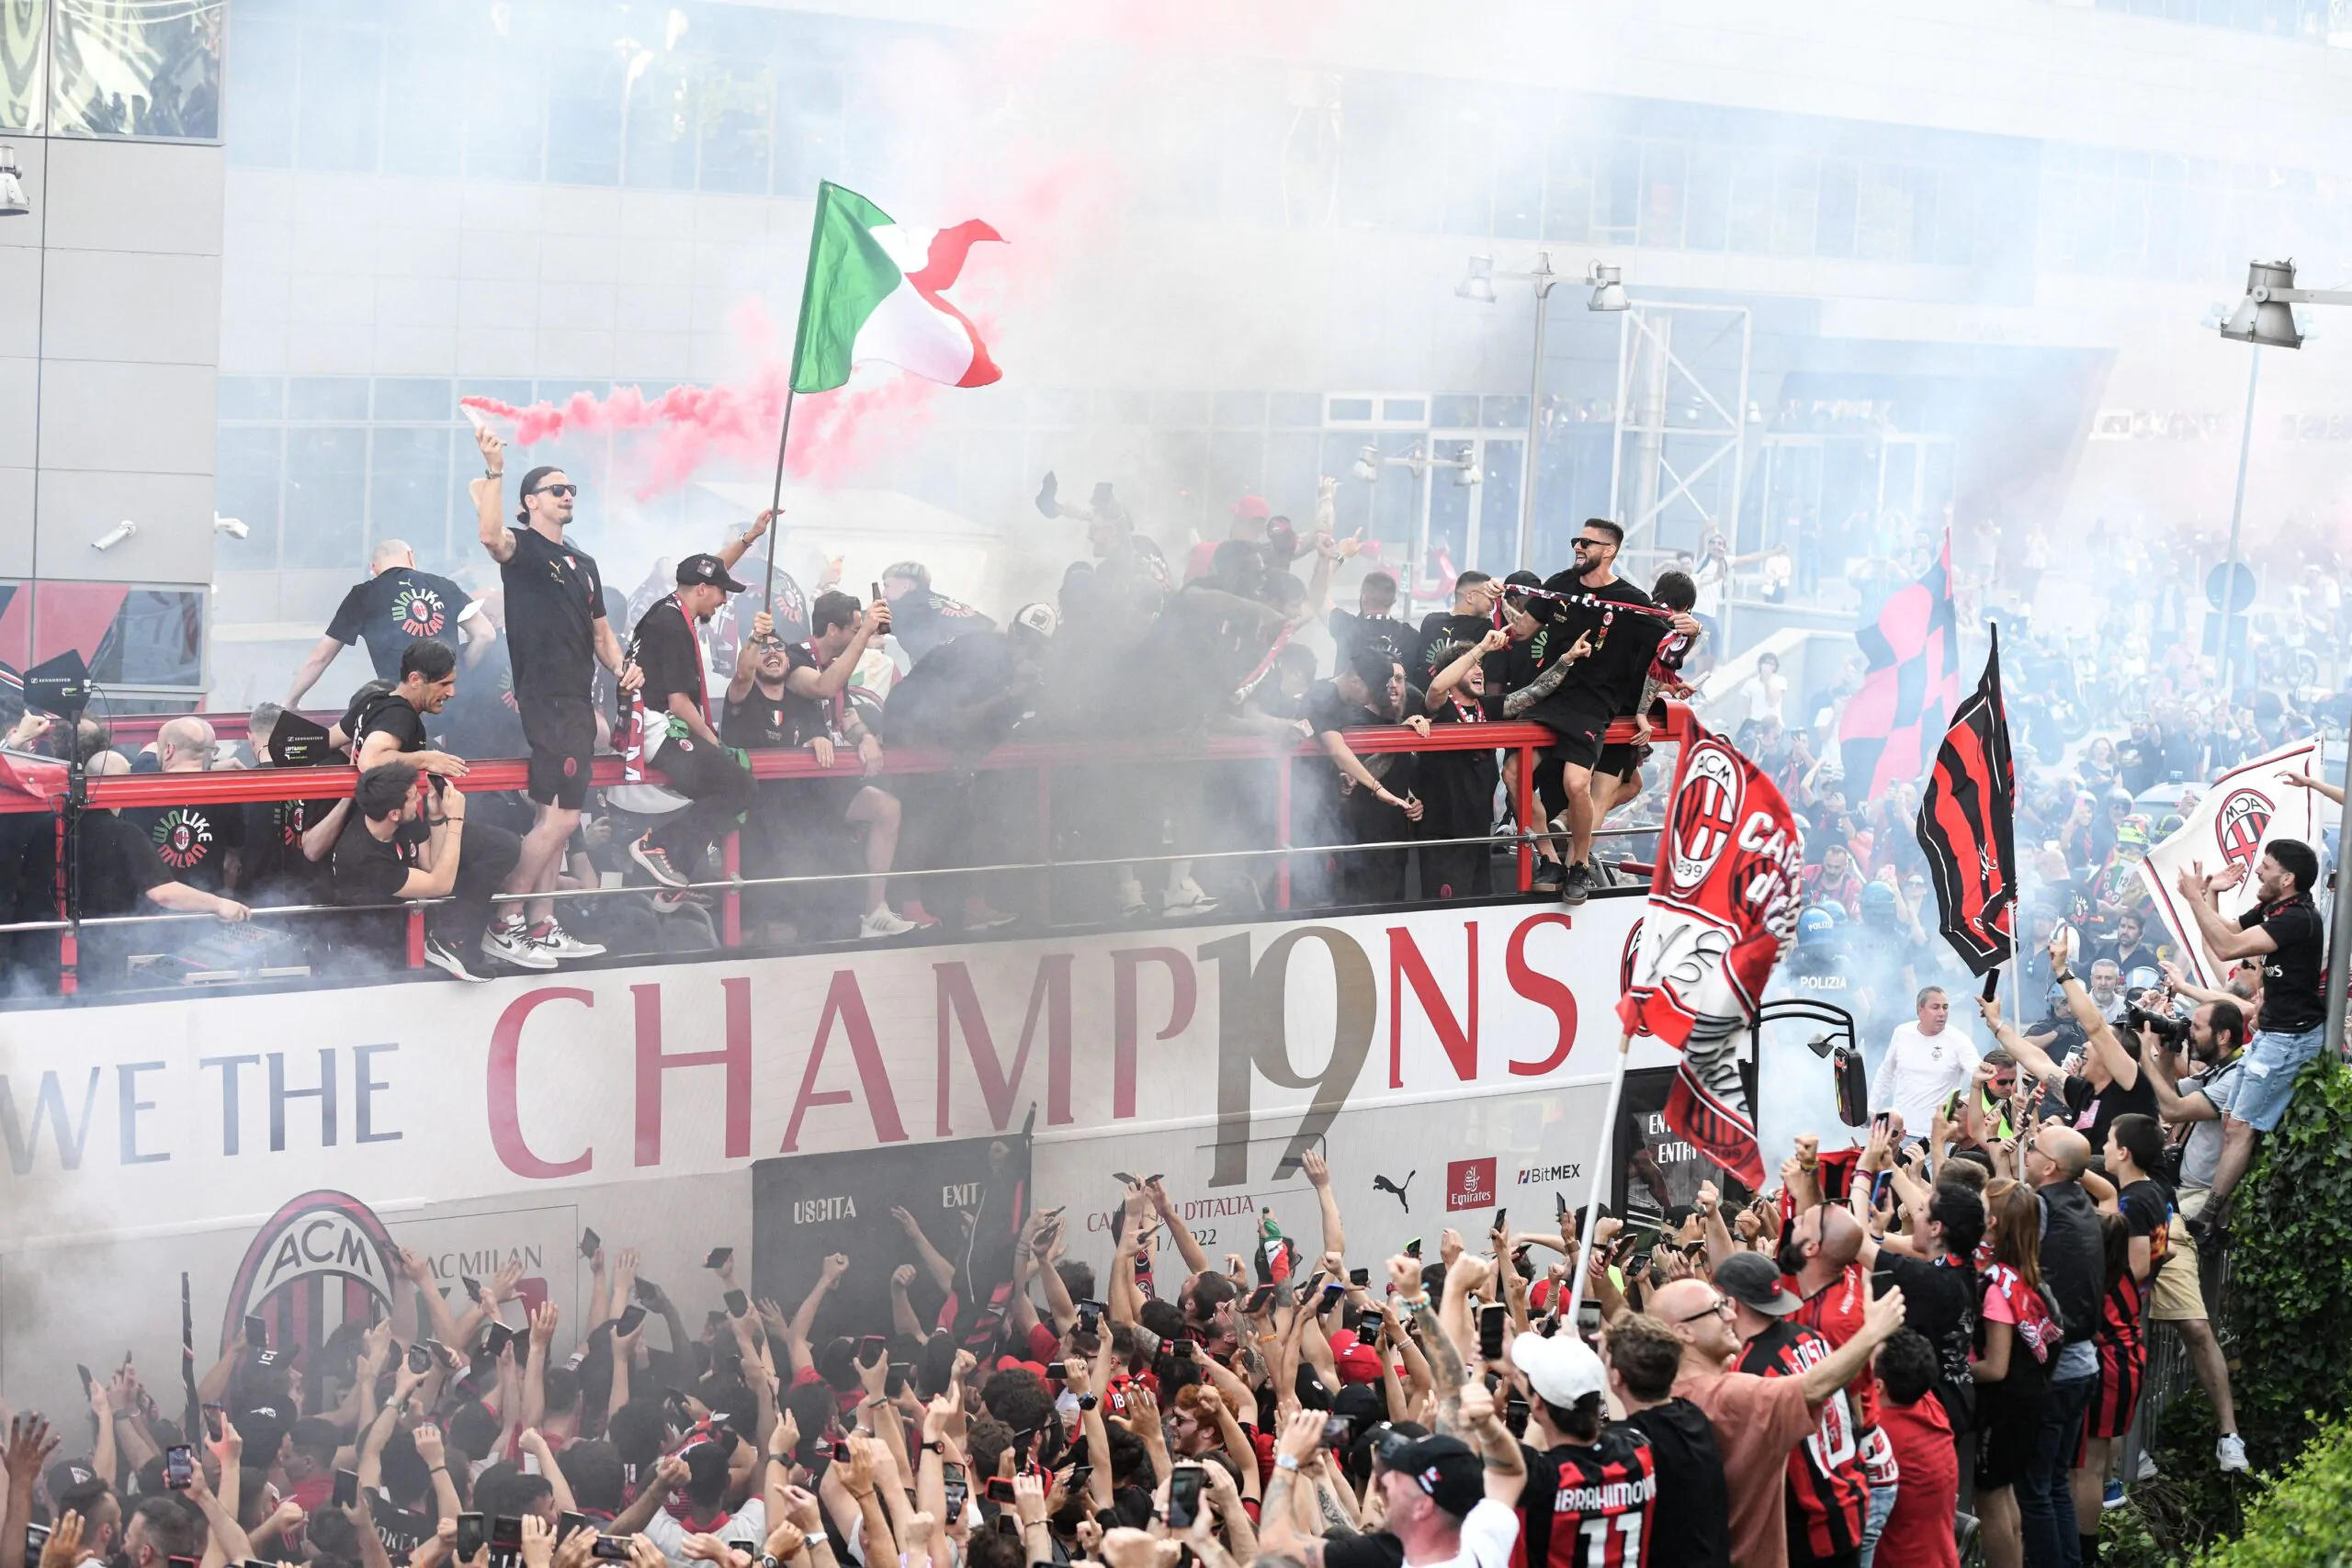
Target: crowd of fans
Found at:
699, 668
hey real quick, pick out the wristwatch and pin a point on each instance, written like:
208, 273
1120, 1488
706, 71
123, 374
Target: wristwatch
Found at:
768, 1560
1088, 1402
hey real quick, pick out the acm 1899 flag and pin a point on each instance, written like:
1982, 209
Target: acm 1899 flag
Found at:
1723, 909
1967, 826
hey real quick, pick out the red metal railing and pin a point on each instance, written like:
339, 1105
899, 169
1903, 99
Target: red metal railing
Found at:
1523, 740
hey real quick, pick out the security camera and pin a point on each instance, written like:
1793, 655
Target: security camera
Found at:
232, 526
115, 536
12, 186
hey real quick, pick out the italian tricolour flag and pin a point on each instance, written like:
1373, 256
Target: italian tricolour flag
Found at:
874, 290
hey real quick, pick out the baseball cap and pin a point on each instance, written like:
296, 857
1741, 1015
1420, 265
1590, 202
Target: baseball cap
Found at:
1754, 1280
707, 569
1357, 1361
1562, 1369
1444, 1469
1251, 506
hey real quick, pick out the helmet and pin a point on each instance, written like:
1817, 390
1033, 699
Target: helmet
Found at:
2132, 833
1877, 901
1815, 926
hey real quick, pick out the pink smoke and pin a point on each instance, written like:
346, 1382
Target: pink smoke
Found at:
835, 433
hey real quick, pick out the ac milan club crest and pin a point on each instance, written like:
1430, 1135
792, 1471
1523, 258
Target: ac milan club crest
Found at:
1706, 811
2239, 826
419, 612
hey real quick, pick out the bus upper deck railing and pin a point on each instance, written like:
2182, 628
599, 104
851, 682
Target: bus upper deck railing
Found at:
42, 789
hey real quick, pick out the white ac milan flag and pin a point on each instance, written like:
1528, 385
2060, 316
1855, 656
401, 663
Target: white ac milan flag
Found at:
2234, 821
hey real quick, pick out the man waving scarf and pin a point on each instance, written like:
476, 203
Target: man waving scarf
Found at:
1723, 909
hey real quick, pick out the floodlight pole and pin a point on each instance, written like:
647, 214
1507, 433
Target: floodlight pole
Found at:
2237, 514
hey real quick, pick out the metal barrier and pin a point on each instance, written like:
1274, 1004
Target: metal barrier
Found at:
236, 786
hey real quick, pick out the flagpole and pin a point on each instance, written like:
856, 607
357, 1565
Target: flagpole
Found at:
1602, 1160
775, 502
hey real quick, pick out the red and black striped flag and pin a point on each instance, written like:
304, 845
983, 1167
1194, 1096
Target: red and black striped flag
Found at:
1967, 826
1912, 683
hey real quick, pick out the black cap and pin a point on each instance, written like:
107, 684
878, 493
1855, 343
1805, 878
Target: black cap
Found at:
297, 742
1445, 1467
707, 570
1754, 1282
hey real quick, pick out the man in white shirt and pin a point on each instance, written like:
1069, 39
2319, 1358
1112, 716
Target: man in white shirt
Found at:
1925, 1062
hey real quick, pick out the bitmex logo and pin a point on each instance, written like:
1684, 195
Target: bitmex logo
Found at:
1540, 1174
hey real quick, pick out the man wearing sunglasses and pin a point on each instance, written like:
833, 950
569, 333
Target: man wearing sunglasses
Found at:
1757, 1420
556, 636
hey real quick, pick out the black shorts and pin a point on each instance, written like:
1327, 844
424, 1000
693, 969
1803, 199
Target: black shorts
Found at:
1577, 735
1622, 760
561, 734
2008, 1421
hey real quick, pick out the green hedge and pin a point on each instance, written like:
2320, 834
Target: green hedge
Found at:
2287, 1328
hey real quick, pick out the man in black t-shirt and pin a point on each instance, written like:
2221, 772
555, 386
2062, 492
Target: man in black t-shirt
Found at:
397, 605
288, 843
556, 634
1690, 1524
2283, 929
2111, 1082
1600, 688
1364, 800
1470, 619
120, 873
674, 723
200, 845
378, 861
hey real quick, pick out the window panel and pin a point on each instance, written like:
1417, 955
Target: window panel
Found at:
342, 89
1707, 201
408, 490
327, 397
245, 486
24, 65
1568, 192
1752, 175
505, 111
1664, 168
585, 116
1617, 196
157, 639
809, 130
425, 95
420, 399
1796, 198
736, 122
137, 71
1836, 218
326, 498
659, 124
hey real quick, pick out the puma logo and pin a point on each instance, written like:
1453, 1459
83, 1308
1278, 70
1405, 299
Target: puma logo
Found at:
1382, 1184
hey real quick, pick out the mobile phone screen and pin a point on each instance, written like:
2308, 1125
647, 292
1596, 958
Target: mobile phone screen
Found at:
952, 1477
1184, 1497
1490, 1331
506, 1533
738, 1304
470, 1537
720, 1256
631, 1315
347, 1488
179, 1467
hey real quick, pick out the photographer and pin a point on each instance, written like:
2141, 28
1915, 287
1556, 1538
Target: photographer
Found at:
2111, 1083
2283, 929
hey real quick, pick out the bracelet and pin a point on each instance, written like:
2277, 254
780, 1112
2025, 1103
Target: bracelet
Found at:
437, 1469
1414, 1303
1284, 1461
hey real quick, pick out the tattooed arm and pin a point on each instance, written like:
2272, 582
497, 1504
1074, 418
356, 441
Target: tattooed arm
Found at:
1543, 685
1444, 1357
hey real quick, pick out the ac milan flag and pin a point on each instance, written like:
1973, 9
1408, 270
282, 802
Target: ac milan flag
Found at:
1968, 827
2233, 824
1723, 909
1912, 683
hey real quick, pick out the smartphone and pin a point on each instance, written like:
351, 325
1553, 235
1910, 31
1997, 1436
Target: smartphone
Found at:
500, 1338
952, 1477
631, 1315
1358, 1277
1124, 1176
87, 1380
1879, 1122
1000, 1490
257, 1332
738, 1304
1413, 1247
871, 1349
878, 594
179, 1467
1490, 1331
1515, 1415
212, 1417
1185, 1496
567, 1523
1183, 1349
589, 1242
1337, 1430
1260, 1300
474, 1288
646, 1291
347, 1488
895, 1383
1559, 1205
35, 1536
506, 1533
609, 1549
720, 1256
420, 1359
470, 1540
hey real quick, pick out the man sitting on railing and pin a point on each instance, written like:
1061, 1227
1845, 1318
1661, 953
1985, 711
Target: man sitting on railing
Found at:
673, 724
404, 841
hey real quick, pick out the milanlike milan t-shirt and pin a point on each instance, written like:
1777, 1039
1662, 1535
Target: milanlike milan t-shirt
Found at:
193, 841
395, 608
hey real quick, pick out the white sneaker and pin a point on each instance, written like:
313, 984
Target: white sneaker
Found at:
442, 957
510, 943
882, 922
1186, 899
1131, 904
657, 865
2230, 1452
563, 945
2148, 1471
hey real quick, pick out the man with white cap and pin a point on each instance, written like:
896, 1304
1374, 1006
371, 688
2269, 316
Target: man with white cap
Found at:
1592, 1493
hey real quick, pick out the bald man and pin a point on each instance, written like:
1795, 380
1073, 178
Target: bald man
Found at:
200, 845
122, 874
1758, 1421
2074, 1272
397, 605
1821, 1255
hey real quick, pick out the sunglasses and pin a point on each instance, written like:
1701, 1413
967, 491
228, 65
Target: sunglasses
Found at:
1592, 544
557, 489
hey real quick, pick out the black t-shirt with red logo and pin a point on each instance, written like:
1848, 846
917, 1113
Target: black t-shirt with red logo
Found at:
395, 608
1829, 1498
1588, 1505
193, 841
555, 596
273, 869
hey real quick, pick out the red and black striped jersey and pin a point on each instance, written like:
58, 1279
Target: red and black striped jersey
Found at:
2121, 1313
1588, 1505
1825, 1477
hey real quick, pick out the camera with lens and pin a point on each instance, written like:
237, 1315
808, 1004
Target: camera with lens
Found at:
2171, 1032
